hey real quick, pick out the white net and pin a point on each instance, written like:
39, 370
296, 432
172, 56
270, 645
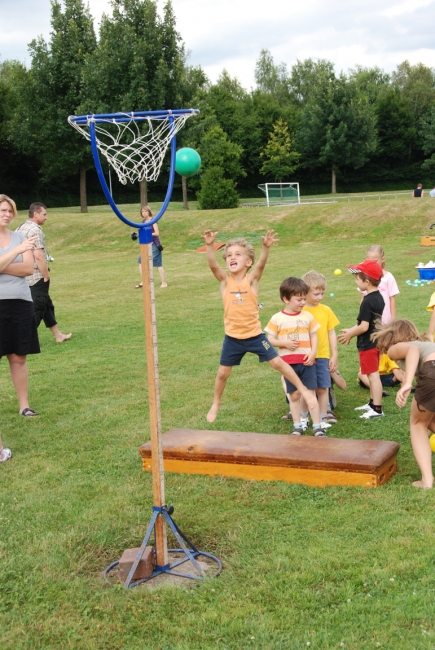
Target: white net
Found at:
134, 148
281, 193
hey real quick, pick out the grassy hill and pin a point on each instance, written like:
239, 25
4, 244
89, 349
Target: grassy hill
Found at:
303, 567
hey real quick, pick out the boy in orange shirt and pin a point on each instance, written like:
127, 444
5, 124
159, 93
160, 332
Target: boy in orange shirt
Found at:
243, 332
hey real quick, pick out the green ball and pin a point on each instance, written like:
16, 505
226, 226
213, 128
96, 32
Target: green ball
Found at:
187, 162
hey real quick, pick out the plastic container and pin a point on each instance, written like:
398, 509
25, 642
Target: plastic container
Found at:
426, 273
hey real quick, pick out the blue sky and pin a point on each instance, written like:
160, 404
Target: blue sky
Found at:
230, 33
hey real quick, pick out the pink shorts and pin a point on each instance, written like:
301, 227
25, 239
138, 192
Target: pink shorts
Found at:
369, 360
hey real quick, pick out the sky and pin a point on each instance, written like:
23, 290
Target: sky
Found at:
231, 33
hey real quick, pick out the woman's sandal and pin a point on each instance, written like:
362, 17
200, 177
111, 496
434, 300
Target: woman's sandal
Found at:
28, 413
139, 286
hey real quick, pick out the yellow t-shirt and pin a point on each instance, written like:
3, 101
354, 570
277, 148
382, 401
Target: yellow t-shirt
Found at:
386, 365
431, 304
327, 321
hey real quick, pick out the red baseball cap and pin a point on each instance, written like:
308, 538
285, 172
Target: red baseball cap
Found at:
371, 268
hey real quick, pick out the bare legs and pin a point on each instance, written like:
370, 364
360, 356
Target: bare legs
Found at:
219, 385
375, 388
161, 271
60, 338
19, 375
279, 365
420, 422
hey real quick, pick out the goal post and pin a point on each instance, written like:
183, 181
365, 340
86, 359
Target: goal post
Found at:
281, 193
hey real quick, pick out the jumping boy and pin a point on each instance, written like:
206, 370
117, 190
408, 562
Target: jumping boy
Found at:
368, 278
243, 331
293, 332
327, 354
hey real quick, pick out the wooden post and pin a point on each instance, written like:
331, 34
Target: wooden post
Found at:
83, 197
143, 188
184, 188
154, 399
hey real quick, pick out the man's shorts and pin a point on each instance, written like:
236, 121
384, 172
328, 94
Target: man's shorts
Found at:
369, 361
323, 374
307, 375
233, 350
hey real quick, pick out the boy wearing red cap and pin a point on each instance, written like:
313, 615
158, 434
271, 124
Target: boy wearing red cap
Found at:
368, 278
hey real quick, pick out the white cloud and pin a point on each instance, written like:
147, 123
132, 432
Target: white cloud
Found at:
230, 33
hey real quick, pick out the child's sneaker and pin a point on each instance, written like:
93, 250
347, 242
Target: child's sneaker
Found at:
305, 422
5, 454
287, 416
319, 432
297, 431
369, 415
365, 407
325, 425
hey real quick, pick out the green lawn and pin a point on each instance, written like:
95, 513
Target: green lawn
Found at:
303, 567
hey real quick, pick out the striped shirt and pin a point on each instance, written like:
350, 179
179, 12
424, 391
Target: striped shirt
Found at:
297, 327
29, 229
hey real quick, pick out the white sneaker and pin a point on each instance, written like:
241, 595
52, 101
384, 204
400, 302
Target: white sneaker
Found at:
304, 423
5, 454
325, 425
365, 407
369, 415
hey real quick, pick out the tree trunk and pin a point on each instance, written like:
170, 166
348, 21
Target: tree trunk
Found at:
184, 188
143, 186
334, 181
83, 197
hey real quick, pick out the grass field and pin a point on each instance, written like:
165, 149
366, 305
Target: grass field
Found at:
303, 567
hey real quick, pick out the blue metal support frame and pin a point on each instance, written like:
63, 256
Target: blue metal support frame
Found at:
191, 553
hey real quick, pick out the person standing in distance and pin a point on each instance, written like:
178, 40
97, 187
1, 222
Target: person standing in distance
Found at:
39, 281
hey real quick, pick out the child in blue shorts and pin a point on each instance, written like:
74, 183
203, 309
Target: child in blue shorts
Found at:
293, 332
327, 354
243, 333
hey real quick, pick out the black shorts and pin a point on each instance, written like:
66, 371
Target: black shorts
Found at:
233, 350
425, 391
18, 331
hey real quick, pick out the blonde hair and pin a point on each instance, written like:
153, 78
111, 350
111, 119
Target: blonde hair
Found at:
396, 331
4, 197
378, 251
314, 280
243, 244
148, 209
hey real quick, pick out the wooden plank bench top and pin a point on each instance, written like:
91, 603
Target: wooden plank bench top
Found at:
262, 456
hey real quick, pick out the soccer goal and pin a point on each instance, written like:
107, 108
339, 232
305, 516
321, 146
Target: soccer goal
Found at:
281, 193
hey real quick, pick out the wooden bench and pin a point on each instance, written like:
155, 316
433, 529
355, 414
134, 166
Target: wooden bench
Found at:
272, 457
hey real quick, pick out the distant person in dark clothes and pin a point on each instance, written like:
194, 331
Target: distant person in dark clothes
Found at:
39, 281
418, 192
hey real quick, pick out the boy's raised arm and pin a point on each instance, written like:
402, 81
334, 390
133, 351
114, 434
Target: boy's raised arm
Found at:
268, 240
209, 239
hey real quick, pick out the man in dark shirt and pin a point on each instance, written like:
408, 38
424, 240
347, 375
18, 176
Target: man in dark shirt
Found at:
368, 278
418, 192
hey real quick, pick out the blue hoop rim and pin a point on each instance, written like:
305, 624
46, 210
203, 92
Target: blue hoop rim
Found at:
137, 116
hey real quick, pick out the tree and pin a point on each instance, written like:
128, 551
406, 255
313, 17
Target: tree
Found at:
427, 134
370, 81
279, 160
306, 77
53, 89
270, 78
139, 62
416, 84
395, 126
338, 127
220, 170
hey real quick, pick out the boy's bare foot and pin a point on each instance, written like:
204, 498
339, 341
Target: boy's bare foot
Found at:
422, 485
212, 414
163, 286
63, 337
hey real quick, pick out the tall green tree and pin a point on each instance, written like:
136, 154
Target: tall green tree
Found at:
427, 134
53, 89
372, 82
279, 159
338, 127
306, 77
220, 170
139, 63
416, 84
271, 78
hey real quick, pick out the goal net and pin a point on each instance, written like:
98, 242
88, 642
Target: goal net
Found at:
281, 193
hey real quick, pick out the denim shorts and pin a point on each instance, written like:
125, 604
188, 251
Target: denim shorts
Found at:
307, 375
323, 374
233, 350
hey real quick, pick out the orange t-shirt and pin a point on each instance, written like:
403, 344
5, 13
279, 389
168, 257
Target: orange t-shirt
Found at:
241, 318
